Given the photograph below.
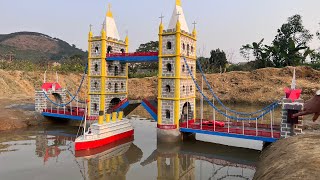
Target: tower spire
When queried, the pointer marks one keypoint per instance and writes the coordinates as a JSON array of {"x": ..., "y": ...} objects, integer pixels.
[
  {"x": 109, "y": 12},
  {"x": 178, "y": 2},
  {"x": 293, "y": 82}
]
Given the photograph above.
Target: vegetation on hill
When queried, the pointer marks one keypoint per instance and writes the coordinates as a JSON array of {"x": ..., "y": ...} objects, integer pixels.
[{"x": 36, "y": 47}]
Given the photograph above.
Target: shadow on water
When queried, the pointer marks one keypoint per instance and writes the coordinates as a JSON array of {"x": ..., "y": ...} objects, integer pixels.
[{"x": 49, "y": 153}]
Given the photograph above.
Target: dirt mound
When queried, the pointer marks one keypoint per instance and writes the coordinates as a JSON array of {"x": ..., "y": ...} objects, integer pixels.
[
  {"x": 256, "y": 87},
  {"x": 292, "y": 158}
]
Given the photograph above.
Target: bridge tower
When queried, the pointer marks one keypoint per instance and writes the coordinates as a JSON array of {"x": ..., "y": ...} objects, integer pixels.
[
  {"x": 107, "y": 80},
  {"x": 176, "y": 90}
]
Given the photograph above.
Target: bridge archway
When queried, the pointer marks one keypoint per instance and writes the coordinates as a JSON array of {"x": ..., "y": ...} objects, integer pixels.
[
  {"x": 57, "y": 98},
  {"x": 187, "y": 112},
  {"x": 114, "y": 102}
]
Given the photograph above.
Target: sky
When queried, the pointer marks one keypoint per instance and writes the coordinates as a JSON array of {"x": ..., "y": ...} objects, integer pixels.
[{"x": 224, "y": 24}]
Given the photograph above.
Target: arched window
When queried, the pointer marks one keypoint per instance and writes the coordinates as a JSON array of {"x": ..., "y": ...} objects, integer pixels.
[
  {"x": 168, "y": 89},
  {"x": 109, "y": 67},
  {"x": 95, "y": 106},
  {"x": 116, "y": 87},
  {"x": 122, "y": 86},
  {"x": 183, "y": 46},
  {"x": 109, "y": 86},
  {"x": 116, "y": 70},
  {"x": 192, "y": 69},
  {"x": 95, "y": 85},
  {"x": 123, "y": 66},
  {"x": 169, "y": 45},
  {"x": 183, "y": 88},
  {"x": 96, "y": 49},
  {"x": 188, "y": 49},
  {"x": 169, "y": 67},
  {"x": 96, "y": 67},
  {"x": 192, "y": 49},
  {"x": 167, "y": 114},
  {"x": 109, "y": 49},
  {"x": 122, "y": 51},
  {"x": 190, "y": 88},
  {"x": 183, "y": 68}
]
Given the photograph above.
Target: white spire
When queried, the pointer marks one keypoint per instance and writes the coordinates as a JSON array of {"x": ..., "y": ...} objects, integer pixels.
[
  {"x": 293, "y": 82},
  {"x": 178, "y": 13},
  {"x": 111, "y": 27}
]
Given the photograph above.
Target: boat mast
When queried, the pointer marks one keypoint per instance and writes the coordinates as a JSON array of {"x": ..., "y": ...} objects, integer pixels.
[{"x": 85, "y": 120}]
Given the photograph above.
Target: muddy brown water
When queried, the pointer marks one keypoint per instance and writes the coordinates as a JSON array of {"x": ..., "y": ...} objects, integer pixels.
[{"x": 47, "y": 152}]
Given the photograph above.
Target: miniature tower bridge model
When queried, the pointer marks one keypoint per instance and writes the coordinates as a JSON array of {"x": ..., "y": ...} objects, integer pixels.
[
  {"x": 176, "y": 91},
  {"x": 175, "y": 108}
]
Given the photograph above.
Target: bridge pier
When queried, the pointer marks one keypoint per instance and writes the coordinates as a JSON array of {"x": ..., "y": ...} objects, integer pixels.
[
  {"x": 291, "y": 126},
  {"x": 168, "y": 135}
]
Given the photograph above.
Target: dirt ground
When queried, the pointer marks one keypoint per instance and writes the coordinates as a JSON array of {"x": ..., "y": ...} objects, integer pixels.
[
  {"x": 12, "y": 116},
  {"x": 292, "y": 158}
]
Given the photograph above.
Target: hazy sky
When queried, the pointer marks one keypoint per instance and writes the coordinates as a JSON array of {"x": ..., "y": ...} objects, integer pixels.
[{"x": 224, "y": 24}]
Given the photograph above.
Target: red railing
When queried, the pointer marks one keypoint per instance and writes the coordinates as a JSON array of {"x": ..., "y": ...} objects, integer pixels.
[
  {"x": 119, "y": 105},
  {"x": 132, "y": 54},
  {"x": 74, "y": 112},
  {"x": 150, "y": 106}
]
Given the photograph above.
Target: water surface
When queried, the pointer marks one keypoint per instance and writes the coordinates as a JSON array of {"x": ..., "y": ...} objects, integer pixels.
[{"x": 47, "y": 152}]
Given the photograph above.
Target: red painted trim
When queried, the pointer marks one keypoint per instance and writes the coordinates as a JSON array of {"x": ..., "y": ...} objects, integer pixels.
[
  {"x": 133, "y": 54},
  {"x": 119, "y": 104},
  {"x": 73, "y": 113},
  {"x": 102, "y": 142},
  {"x": 166, "y": 126},
  {"x": 91, "y": 152},
  {"x": 150, "y": 106}
]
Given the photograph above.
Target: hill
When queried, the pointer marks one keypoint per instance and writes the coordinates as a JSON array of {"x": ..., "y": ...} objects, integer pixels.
[{"x": 36, "y": 47}]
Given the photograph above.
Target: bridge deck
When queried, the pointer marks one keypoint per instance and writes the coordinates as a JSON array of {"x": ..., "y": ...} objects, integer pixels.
[{"x": 263, "y": 132}]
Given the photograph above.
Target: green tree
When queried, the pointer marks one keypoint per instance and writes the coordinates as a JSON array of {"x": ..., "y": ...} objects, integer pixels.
[
  {"x": 216, "y": 62},
  {"x": 152, "y": 46},
  {"x": 289, "y": 48}
]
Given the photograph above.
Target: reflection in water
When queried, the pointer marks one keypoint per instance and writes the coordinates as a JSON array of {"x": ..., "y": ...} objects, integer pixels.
[
  {"x": 50, "y": 155},
  {"x": 189, "y": 161},
  {"x": 114, "y": 161}
]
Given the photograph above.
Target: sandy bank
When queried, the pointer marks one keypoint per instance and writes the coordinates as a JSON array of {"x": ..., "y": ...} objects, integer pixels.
[{"x": 292, "y": 158}]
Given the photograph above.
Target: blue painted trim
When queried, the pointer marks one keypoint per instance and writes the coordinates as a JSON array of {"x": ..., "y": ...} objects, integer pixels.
[
  {"x": 62, "y": 116},
  {"x": 154, "y": 115},
  {"x": 134, "y": 59},
  {"x": 258, "y": 138},
  {"x": 123, "y": 106}
]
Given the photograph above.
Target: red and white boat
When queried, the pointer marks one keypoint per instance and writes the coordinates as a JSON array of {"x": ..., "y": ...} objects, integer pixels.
[{"x": 99, "y": 135}]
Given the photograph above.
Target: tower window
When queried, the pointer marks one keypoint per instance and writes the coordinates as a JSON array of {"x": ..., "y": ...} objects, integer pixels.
[
  {"x": 191, "y": 68},
  {"x": 116, "y": 71},
  {"x": 96, "y": 49},
  {"x": 169, "y": 67},
  {"x": 190, "y": 88},
  {"x": 169, "y": 45},
  {"x": 122, "y": 51},
  {"x": 188, "y": 49},
  {"x": 183, "y": 68},
  {"x": 95, "y": 85},
  {"x": 167, "y": 114},
  {"x": 122, "y": 86},
  {"x": 183, "y": 46},
  {"x": 183, "y": 88},
  {"x": 168, "y": 89},
  {"x": 95, "y": 106},
  {"x": 109, "y": 67},
  {"x": 116, "y": 87},
  {"x": 109, "y": 49},
  {"x": 96, "y": 67},
  {"x": 109, "y": 86},
  {"x": 192, "y": 49}
]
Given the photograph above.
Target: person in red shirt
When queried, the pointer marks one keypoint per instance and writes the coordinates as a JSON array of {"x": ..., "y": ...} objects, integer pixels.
[{"x": 312, "y": 106}]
